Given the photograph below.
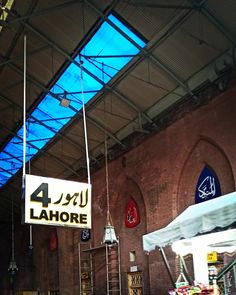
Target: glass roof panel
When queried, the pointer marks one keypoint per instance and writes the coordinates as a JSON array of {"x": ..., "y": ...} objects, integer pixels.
[{"x": 104, "y": 55}]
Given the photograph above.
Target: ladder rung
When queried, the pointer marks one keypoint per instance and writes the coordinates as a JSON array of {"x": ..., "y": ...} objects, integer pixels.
[
  {"x": 113, "y": 272},
  {"x": 112, "y": 281}
]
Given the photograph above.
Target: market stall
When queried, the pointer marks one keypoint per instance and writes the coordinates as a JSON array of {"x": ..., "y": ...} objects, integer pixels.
[{"x": 189, "y": 233}]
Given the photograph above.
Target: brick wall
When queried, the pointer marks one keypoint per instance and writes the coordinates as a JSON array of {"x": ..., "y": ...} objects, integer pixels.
[{"x": 160, "y": 174}]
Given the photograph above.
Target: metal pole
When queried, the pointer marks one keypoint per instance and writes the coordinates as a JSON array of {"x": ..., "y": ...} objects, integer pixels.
[
  {"x": 163, "y": 255},
  {"x": 185, "y": 269},
  {"x": 85, "y": 124},
  {"x": 24, "y": 111}
]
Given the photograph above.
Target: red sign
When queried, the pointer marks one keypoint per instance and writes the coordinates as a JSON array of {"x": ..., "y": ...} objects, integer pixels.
[
  {"x": 53, "y": 241},
  {"x": 132, "y": 216}
]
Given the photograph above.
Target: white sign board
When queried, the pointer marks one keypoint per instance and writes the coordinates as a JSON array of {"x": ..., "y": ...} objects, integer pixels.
[{"x": 52, "y": 201}]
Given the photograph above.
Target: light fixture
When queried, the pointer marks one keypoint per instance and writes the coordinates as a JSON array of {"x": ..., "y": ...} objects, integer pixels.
[
  {"x": 109, "y": 235},
  {"x": 12, "y": 267},
  {"x": 109, "y": 230},
  {"x": 65, "y": 102}
]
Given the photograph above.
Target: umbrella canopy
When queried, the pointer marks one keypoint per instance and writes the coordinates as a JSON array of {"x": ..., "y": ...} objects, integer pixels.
[{"x": 197, "y": 219}]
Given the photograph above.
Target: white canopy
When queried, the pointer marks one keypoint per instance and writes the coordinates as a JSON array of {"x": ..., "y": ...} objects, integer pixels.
[{"x": 196, "y": 219}]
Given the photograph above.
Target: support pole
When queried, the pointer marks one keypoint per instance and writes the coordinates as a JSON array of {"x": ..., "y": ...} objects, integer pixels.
[
  {"x": 185, "y": 269},
  {"x": 24, "y": 111},
  {"x": 163, "y": 255},
  {"x": 85, "y": 124},
  {"x": 25, "y": 136}
]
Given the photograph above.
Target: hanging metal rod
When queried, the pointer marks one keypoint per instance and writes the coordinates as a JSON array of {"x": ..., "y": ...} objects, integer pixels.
[
  {"x": 111, "y": 56},
  {"x": 75, "y": 92}
]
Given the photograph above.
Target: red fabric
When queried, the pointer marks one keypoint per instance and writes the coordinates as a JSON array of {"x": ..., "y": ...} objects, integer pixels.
[
  {"x": 132, "y": 216},
  {"x": 53, "y": 241}
]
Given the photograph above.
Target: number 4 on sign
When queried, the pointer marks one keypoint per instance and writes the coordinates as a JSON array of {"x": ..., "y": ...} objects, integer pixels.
[{"x": 41, "y": 195}]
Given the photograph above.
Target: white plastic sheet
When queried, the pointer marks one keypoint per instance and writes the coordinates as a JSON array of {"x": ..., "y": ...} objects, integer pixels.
[{"x": 196, "y": 219}]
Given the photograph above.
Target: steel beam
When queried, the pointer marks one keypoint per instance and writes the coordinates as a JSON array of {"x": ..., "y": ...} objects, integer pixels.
[
  {"x": 71, "y": 59},
  {"x": 38, "y": 84},
  {"x": 206, "y": 11},
  {"x": 42, "y": 151},
  {"x": 156, "y": 5},
  {"x": 43, "y": 11},
  {"x": 155, "y": 60},
  {"x": 8, "y": 61},
  {"x": 60, "y": 134}
]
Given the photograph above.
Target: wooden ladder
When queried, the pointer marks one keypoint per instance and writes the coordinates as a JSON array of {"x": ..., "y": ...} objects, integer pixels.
[{"x": 113, "y": 269}]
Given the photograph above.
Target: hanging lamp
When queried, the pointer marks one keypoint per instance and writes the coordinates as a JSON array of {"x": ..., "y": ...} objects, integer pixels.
[
  {"x": 109, "y": 230},
  {"x": 12, "y": 267}
]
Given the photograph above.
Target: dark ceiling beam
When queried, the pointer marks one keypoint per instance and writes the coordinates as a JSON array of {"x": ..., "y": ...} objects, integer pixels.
[
  {"x": 153, "y": 58},
  {"x": 156, "y": 5},
  {"x": 44, "y": 152},
  {"x": 206, "y": 11},
  {"x": 98, "y": 125},
  {"x": 7, "y": 61},
  {"x": 7, "y": 171},
  {"x": 43, "y": 11},
  {"x": 171, "y": 27},
  {"x": 94, "y": 122},
  {"x": 17, "y": 35},
  {"x": 70, "y": 58},
  {"x": 59, "y": 133},
  {"x": 11, "y": 156},
  {"x": 42, "y": 87}
]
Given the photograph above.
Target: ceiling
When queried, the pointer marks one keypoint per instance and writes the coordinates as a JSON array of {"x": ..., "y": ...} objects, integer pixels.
[{"x": 191, "y": 45}]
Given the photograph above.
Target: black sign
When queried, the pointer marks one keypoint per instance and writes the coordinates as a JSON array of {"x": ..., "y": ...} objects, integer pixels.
[
  {"x": 208, "y": 186},
  {"x": 85, "y": 235}
]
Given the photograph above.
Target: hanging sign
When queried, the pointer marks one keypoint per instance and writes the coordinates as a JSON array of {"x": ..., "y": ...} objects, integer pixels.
[
  {"x": 53, "y": 241},
  {"x": 52, "y": 201},
  {"x": 208, "y": 186},
  {"x": 132, "y": 216},
  {"x": 212, "y": 257}
]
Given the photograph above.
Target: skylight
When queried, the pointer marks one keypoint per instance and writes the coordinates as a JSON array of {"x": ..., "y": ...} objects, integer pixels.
[{"x": 105, "y": 54}]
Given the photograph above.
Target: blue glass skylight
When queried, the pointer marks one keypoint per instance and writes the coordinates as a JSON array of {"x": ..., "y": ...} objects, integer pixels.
[{"x": 105, "y": 54}]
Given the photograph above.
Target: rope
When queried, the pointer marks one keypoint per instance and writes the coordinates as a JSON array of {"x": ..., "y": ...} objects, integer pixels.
[
  {"x": 106, "y": 160},
  {"x": 107, "y": 182}
]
